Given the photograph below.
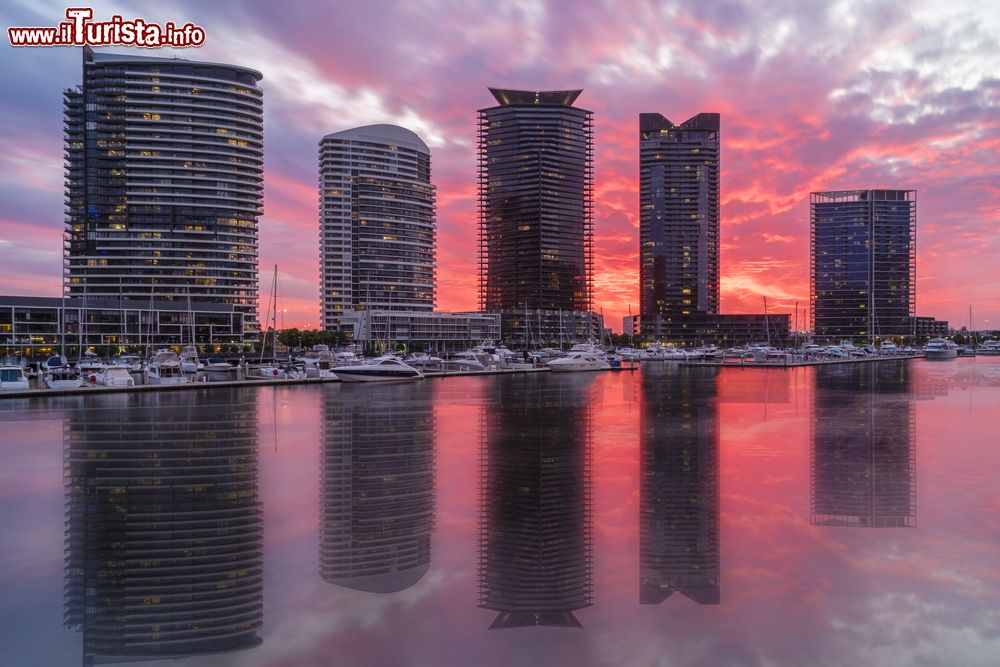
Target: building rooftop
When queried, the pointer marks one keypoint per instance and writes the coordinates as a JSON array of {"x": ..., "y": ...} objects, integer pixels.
[
  {"x": 89, "y": 55},
  {"x": 392, "y": 135},
  {"x": 508, "y": 97}
]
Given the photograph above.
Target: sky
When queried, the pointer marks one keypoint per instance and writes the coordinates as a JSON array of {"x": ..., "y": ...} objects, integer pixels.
[{"x": 813, "y": 96}]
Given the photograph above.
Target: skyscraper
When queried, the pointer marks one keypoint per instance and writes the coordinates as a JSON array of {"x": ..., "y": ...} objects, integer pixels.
[
  {"x": 863, "y": 263},
  {"x": 376, "y": 223},
  {"x": 679, "y": 238},
  {"x": 536, "y": 213},
  {"x": 678, "y": 216},
  {"x": 164, "y": 181}
]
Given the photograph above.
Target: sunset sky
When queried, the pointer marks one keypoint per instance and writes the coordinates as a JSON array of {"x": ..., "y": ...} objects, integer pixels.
[{"x": 813, "y": 96}]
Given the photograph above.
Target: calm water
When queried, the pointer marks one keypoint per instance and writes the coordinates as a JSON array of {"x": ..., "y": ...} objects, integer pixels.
[{"x": 844, "y": 515}]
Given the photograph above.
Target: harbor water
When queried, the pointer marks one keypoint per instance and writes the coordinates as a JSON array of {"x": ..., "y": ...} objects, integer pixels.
[{"x": 676, "y": 515}]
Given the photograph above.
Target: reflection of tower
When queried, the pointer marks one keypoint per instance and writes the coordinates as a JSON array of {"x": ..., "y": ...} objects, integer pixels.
[
  {"x": 863, "y": 446},
  {"x": 377, "y": 495},
  {"x": 165, "y": 539},
  {"x": 535, "y": 533},
  {"x": 679, "y": 491}
]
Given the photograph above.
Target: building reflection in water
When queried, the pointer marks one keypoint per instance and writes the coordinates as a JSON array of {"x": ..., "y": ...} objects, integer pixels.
[
  {"x": 535, "y": 550},
  {"x": 164, "y": 554},
  {"x": 679, "y": 486},
  {"x": 863, "y": 459},
  {"x": 377, "y": 485}
]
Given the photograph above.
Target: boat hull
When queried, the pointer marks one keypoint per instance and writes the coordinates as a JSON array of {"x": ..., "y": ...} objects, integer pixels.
[
  {"x": 578, "y": 368},
  {"x": 374, "y": 375}
]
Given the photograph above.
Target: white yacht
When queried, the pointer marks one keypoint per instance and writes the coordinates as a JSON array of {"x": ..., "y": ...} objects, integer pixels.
[
  {"x": 318, "y": 362},
  {"x": 940, "y": 349},
  {"x": 189, "y": 359},
  {"x": 115, "y": 376},
  {"x": 630, "y": 354},
  {"x": 60, "y": 375},
  {"x": 709, "y": 352},
  {"x": 464, "y": 361},
  {"x": 128, "y": 361},
  {"x": 12, "y": 378},
  {"x": 989, "y": 347},
  {"x": 381, "y": 369},
  {"x": 219, "y": 366},
  {"x": 165, "y": 368},
  {"x": 90, "y": 363},
  {"x": 888, "y": 348},
  {"x": 579, "y": 361},
  {"x": 424, "y": 361},
  {"x": 270, "y": 372}
]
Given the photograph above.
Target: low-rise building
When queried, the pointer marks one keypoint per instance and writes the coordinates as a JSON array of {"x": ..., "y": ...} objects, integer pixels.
[{"x": 438, "y": 331}]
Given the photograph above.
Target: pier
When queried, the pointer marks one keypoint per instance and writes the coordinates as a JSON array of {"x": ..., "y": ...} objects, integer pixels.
[{"x": 795, "y": 362}]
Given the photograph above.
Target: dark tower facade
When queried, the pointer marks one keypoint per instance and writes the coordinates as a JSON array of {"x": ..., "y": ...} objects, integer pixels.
[
  {"x": 164, "y": 544},
  {"x": 164, "y": 181},
  {"x": 679, "y": 486},
  {"x": 863, "y": 446},
  {"x": 863, "y": 247},
  {"x": 377, "y": 486},
  {"x": 535, "y": 558},
  {"x": 535, "y": 209},
  {"x": 678, "y": 220}
]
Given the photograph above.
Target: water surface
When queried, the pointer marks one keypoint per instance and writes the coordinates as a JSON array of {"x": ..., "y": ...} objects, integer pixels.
[{"x": 841, "y": 515}]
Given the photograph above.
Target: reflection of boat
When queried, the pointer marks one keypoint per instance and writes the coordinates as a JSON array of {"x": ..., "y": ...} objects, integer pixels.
[
  {"x": 60, "y": 375},
  {"x": 165, "y": 368},
  {"x": 381, "y": 369},
  {"x": 189, "y": 359},
  {"x": 940, "y": 349},
  {"x": 12, "y": 378},
  {"x": 579, "y": 361}
]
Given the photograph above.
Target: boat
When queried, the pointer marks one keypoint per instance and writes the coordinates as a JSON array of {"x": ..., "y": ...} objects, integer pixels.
[
  {"x": 271, "y": 372},
  {"x": 12, "y": 378},
  {"x": 318, "y": 362},
  {"x": 464, "y": 361},
  {"x": 709, "y": 352},
  {"x": 128, "y": 361},
  {"x": 989, "y": 347},
  {"x": 115, "y": 376},
  {"x": 165, "y": 368},
  {"x": 579, "y": 361},
  {"x": 888, "y": 348},
  {"x": 219, "y": 366},
  {"x": 90, "y": 364},
  {"x": 59, "y": 374},
  {"x": 940, "y": 349},
  {"x": 424, "y": 361},
  {"x": 381, "y": 369},
  {"x": 630, "y": 353},
  {"x": 189, "y": 359},
  {"x": 967, "y": 351}
]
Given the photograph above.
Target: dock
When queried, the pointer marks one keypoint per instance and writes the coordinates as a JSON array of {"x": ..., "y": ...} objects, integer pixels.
[{"x": 92, "y": 390}]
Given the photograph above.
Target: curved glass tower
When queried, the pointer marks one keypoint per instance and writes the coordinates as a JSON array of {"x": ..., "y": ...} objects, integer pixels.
[
  {"x": 376, "y": 222},
  {"x": 164, "y": 181}
]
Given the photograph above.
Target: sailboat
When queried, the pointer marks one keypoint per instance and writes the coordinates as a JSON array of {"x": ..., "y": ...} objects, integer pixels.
[
  {"x": 272, "y": 370},
  {"x": 58, "y": 373}
]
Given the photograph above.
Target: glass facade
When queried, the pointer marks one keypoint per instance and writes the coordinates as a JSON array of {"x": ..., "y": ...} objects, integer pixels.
[
  {"x": 678, "y": 220},
  {"x": 535, "y": 203},
  {"x": 377, "y": 229},
  {"x": 164, "y": 181},
  {"x": 863, "y": 268}
]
